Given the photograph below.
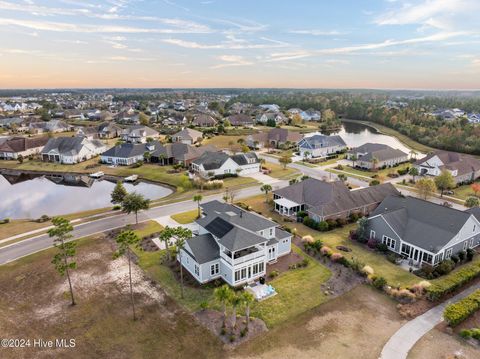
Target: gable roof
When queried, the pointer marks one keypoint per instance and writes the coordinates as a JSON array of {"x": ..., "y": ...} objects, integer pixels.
[
  {"x": 20, "y": 144},
  {"x": 189, "y": 133},
  {"x": 69, "y": 145},
  {"x": 212, "y": 160},
  {"x": 453, "y": 161},
  {"x": 320, "y": 141},
  {"x": 127, "y": 150},
  {"x": 204, "y": 119},
  {"x": 182, "y": 151},
  {"x": 379, "y": 151},
  {"x": 475, "y": 211},
  {"x": 240, "y": 119},
  {"x": 204, "y": 248},
  {"x": 425, "y": 224},
  {"x": 327, "y": 198}
]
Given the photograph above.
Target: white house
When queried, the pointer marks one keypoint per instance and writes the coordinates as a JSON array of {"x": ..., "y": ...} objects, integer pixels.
[
  {"x": 126, "y": 154},
  {"x": 70, "y": 150},
  {"x": 188, "y": 136},
  {"x": 233, "y": 244},
  {"x": 318, "y": 146},
  {"x": 217, "y": 164},
  {"x": 138, "y": 134}
]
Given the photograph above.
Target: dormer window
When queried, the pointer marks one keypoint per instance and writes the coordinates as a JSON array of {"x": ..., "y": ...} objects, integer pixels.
[{"x": 271, "y": 232}]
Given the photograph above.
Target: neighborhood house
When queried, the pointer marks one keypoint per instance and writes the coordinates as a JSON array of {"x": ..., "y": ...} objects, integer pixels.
[
  {"x": 70, "y": 150},
  {"x": 323, "y": 200},
  {"x": 233, "y": 244},
  {"x": 127, "y": 154},
  {"x": 318, "y": 146},
  {"x": 376, "y": 155},
  {"x": 220, "y": 164},
  {"x": 422, "y": 231},
  {"x": 16, "y": 147},
  {"x": 188, "y": 136}
]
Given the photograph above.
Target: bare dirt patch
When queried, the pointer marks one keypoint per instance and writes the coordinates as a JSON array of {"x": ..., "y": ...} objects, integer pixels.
[
  {"x": 213, "y": 320},
  {"x": 355, "y": 325},
  {"x": 35, "y": 304}
]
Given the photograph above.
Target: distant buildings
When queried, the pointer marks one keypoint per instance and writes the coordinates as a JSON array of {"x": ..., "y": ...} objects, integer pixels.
[{"x": 138, "y": 134}]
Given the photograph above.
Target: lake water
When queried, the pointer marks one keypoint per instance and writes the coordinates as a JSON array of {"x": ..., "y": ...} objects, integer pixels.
[
  {"x": 357, "y": 134},
  {"x": 27, "y": 196}
]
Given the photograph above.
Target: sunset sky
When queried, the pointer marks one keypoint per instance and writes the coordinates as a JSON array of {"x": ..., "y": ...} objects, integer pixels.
[{"x": 425, "y": 44}]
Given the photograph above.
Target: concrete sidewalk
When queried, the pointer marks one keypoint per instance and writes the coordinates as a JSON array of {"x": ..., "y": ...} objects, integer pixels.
[{"x": 400, "y": 344}]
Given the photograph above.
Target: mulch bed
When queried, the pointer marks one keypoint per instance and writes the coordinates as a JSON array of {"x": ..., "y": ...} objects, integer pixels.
[
  {"x": 342, "y": 280},
  {"x": 212, "y": 320},
  {"x": 284, "y": 262}
]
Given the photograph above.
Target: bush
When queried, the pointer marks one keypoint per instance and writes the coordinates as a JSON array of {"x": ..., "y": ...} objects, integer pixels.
[
  {"x": 470, "y": 254},
  {"x": 457, "y": 312},
  {"x": 310, "y": 222},
  {"x": 274, "y": 274},
  {"x": 402, "y": 295},
  {"x": 392, "y": 258},
  {"x": 353, "y": 217},
  {"x": 326, "y": 251},
  {"x": 381, "y": 247},
  {"x": 449, "y": 284},
  {"x": 116, "y": 207},
  {"x": 466, "y": 333},
  {"x": 302, "y": 214},
  {"x": 341, "y": 222},
  {"x": 379, "y": 282},
  {"x": 307, "y": 239},
  {"x": 331, "y": 223},
  {"x": 462, "y": 255},
  {"x": 336, "y": 257},
  {"x": 5, "y": 221},
  {"x": 374, "y": 182},
  {"x": 323, "y": 226},
  {"x": 455, "y": 258},
  {"x": 445, "y": 267},
  {"x": 372, "y": 243},
  {"x": 367, "y": 270}
]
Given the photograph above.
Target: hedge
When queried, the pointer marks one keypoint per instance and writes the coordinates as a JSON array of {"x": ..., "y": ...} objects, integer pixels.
[
  {"x": 457, "y": 312},
  {"x": 453, "y": 281}
]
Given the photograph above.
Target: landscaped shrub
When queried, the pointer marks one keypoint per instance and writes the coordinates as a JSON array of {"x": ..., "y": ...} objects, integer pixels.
[
  {"x": 445, "y": 267},
  {"x": 353, "y": 217},
  {"x": 455, "y": 258},
  {"x": 457, "y": 312},
  {"x": 274, "y": 274},
  {"x": 336, "y": 257},
  {"x": 326, "y": 251},
  {"x": 116, "y": 207},
  {"x": 470, "y": 254},
  {"x": 421, "y": 287},
  {"x": 307, "y": 239},
  {"x": 341, "y": 222},
  {"x": 453, "y": 281},
  {"x": 331, "y": 224},
  {"x": 323, "y": 226},
  {"x": 462, "y": 255},
  {"x": 392, "y": 258},
  {"x": 402, "y": 295},
  {"x": 302, "y": 214},
  {"x": 381, "y": 247},
  {"x": 379, "y": 282},
  {"x": 5, "y": 221},
  {"x": 374, "y": 182},
  {"x": 372, "y": 243},
  {"x": 310, "y": 222},
  {"x": 367, "y": 270}
]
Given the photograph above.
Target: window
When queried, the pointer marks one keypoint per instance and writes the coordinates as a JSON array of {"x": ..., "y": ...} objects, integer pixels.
[
  {"x": 427, "y": 257},
  {"x": 214, "y": 269},
  {"x": 390, "y": 242},
  {"x": 372, "y": 234},
  {"x": 271, "y": 232},
  {"x": 197, "y": 270},
  {"x": 465, "y": 244},
  {"x": 243, "y": 273},
  {"x": 261, "y": 233},
  {"x": 237, "y": 275},
  {"x": 448, "y": 253},
  {"x": 474, "y": 227},
  {"x": 406, "y": 249},
  {"x": 470, "y": 244},
  {"x": 260, "y": 267}
]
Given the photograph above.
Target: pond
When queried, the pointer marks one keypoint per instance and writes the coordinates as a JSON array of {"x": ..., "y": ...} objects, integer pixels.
[
  {"x": 31, "y": 196},
  {"x": 357, "y": 134}
]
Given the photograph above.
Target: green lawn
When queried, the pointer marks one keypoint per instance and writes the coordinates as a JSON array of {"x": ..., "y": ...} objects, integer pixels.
[
  {"x": 463, "y": 192},
  {"x": 394, "y": 275},
  {"x": 278, "y": 171},
  {"x": 186, "y": 217},
  {"x": 298, "y": 291},
  {"x": 223, "y": 141},
  {"x": 381, "y": 172},
  {"x": 349, "y": 174}
]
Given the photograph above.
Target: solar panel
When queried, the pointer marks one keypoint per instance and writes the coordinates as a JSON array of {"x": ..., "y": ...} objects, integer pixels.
[{"x": 219, "y": 227}]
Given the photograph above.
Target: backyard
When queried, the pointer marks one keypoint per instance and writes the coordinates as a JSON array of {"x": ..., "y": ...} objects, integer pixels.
[
  {"x": 394, "y": 275},
  {"x": 279, "y": 172}
]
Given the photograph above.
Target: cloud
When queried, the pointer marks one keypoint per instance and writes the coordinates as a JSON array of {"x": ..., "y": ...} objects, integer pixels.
[
  {"x": 232, "y": 60},
  {"x": 287, "y": 56},
  {"x": 388, "y": 43},
  {"x": 81, "y": 28},
  {"x": 235, "y": 44},
  {"x": 317, "y": 32}
]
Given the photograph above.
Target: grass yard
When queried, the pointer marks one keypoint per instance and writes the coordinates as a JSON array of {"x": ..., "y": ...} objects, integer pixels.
[
  {"x": 186, "y": 217},
  {"x": 278, "y": 171},
  {"x": 298, "y": 291},
  {"x": 222, "y": 141},
  {"x": 349, "y": 174},
  {"x": 239, "y": 181},
  {"x": 463, "y": 192},
  {"x": 394, "y": 275}
]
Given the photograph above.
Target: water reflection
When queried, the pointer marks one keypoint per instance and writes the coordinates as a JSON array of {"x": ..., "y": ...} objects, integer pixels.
[
  {"x": 357, "y": 134},
  {"x": 30, "y": 196}
]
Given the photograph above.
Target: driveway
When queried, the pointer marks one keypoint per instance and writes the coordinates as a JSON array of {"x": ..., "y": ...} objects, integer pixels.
[{"x": 405, "y": 338}]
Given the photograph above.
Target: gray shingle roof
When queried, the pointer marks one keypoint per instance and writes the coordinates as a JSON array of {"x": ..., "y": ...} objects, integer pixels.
[
  {"x": 204, "y": 247},
  {"x": 320, "y": 141},
  {"x": 475, "y": 211},
  {"x": 212, "y": 161},
  {"x": 127, "y": 150},
  {"x": 425, "y": 224},
  {"x": 69, "y": 145}
]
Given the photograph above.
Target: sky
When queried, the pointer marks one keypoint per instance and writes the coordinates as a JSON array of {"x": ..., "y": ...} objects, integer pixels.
[{"x": 408, "y": 44}]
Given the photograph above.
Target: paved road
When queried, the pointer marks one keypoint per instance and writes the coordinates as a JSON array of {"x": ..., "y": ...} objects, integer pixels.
[
  {"x": 400, "y": 344},
  {"x": 28, "y": 246}
]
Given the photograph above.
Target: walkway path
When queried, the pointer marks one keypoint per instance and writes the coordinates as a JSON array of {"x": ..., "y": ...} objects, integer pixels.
[{"x": 400, "y": 344}]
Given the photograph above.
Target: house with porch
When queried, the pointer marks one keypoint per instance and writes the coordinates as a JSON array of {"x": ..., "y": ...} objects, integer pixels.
[
  {"x": 386, "y": 156},
  {"x": 329, "y": 200},
  {"x": 70, "y": 150},
  {"x": 179, "y": 153},
  {"x": 126, "y": 154},
  {"x": 464, "y": 168},
  {"x": 220, "y": 164},
  {"x": 319, "y": 146},
  {"x": 275, "y": 138},
  {"x": 423, "y": 232},
  {"x": 188, "y": 136},
  {"x": 16, "y": 147},
  {"x": 139, "y": 134},
  {"x": 233, "y": 245}
]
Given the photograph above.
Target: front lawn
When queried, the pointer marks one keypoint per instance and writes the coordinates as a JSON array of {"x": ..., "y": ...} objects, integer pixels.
[
  {"x": 463, "y": 192},
  {"x": 278, "y": 171},
  {"x": 186, "y": 217}
]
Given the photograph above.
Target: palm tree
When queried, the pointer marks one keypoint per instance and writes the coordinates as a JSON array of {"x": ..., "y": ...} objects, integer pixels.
[
  {"x": 197, "y": 198},
  {"x": 182, "y": 235},
  {"x": 247, "y": 299},
  {"x": 235, "y": 301},
  {"x": 374, "y": 163},
  {"x": 266, "y": 188},
  {"x": 353, "y": 158},
  {"x": 223, "y": 295},
  {"x": 165, "y": 236},
  {"x": 305, "y": 155}
]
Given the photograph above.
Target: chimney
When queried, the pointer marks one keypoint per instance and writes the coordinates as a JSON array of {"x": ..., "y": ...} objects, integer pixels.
[{"x": 241, "y": 214}]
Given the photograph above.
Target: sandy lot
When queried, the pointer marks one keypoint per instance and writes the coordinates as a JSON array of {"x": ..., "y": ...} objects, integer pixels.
[
  {"x": 355, "y": 325},
  {"x": 35, "y": 304}
]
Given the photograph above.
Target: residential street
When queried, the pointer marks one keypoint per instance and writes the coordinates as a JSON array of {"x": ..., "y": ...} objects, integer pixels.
[{"x": 31, "y": 245}]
